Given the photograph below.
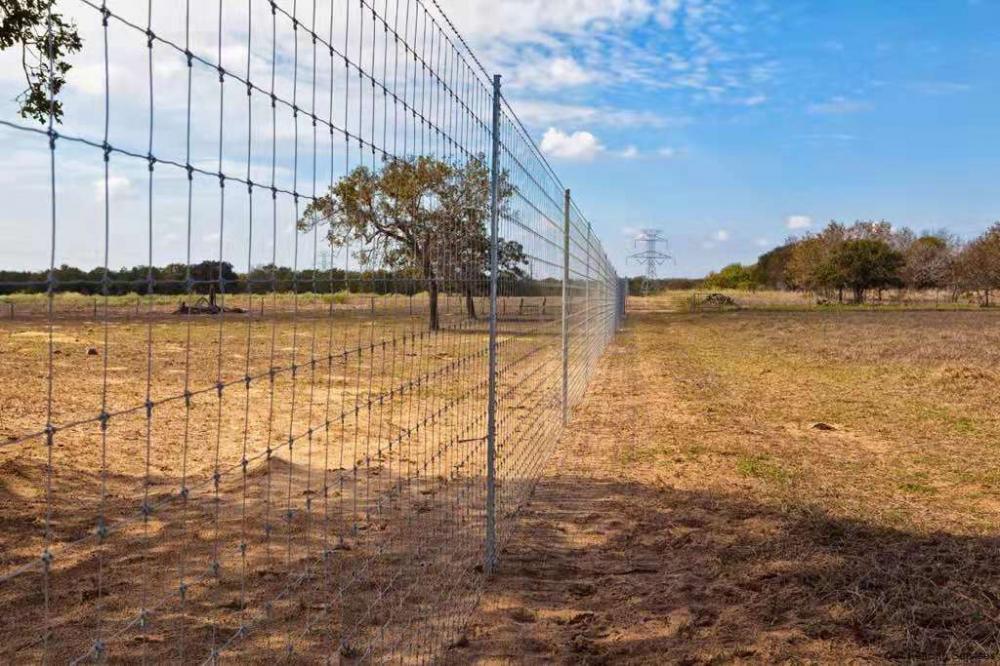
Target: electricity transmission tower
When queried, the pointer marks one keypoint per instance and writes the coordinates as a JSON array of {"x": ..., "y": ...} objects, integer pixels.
[{"x": 648, "y": 242}]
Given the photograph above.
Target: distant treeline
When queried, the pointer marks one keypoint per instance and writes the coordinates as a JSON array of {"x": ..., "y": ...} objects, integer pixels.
[
  {"x": 635, "y": 284},
  {"x": 853, "y": 261},
  {"x": 206, "y": 277}
]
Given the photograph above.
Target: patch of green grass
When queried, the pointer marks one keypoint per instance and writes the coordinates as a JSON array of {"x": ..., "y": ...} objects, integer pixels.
[
  {"x": 937, "y": 417},
  {"x": 964, "y": 425},
  {"x": 917, "y": 484},
  {"x": 340, "y": 298},
  {"x": 763, "y": 468},
  {"x": 917, "y": 488}
]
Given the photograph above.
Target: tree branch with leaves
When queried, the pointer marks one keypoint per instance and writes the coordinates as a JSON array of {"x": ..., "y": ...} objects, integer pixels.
[
  {"x": 424, "y": 217},
  {"x": 46, "y": 39}
]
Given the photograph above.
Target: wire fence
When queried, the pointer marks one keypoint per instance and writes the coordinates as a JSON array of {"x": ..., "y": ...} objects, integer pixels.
[{"x": 365, "y": 308}]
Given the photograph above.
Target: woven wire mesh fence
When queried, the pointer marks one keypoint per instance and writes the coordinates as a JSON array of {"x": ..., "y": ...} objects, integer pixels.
[{"x": 362, "y": 310}]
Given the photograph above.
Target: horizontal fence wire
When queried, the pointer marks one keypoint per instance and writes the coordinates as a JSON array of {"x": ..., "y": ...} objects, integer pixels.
[{"x": 291, "y": 433}]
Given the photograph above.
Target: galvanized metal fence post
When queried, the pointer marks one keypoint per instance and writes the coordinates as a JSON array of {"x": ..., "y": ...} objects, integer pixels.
[
  {"x": 491, "y": 417},
  {"x": 588, "y": 326},
  {"x": 565, "y": 312},
  {"x": 620, "y": 285}
]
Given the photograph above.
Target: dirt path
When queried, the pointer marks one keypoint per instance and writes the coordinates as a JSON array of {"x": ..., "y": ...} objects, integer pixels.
[{"x": 683, "y": 556}]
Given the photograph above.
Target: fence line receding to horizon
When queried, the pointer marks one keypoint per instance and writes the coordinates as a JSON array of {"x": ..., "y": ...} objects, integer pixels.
[{"x": 362, "y": 309}]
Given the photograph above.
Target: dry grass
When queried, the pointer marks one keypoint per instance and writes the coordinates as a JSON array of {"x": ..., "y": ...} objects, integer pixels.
[
  {"x": 911, "y": 397},
  {"x": 375, "y": 452},
  {"x": 807, "y": 486},
  {"x": 693, "y": 301},
  {"x": 796, "y": 487}
]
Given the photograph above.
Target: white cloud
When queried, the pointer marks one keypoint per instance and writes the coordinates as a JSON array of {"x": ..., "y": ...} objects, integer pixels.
[
  {"x": 541, "y": 112},
  {"x": 542, "y": 73},
  {"x": 762, "y": 242},
  {"x": 578, "y": 146},
  {"x": 836, "y": 106},
  {"x": 667, "y": 152},
  {"x": 695, "y": 45},
  {"x": 721, "y": 236},
  {"x": 629, "y": 153},
  {"x": 537, "y": 20},
  {"x": 939, "y": 88},
  {"x": 798, "y": 222},
  {"x": 666, "y": 13},
  {"x": 118, "y": 187},
  {"x": 841, "y": 137}
]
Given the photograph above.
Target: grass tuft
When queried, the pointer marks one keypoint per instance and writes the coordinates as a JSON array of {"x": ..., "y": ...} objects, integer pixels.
[{"x": 763, "y": 468}]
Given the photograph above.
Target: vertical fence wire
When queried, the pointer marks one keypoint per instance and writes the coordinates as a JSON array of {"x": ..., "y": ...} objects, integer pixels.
[{"x": 363, "y": 309}]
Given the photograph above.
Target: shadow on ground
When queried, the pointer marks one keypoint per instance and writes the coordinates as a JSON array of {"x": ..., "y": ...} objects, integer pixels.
[{"x": 613, "y": 572}]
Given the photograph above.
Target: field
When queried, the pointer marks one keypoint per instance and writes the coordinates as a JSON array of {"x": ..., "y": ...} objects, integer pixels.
[
  {"x": 304, "y": 478},
  {"x": 774, "y": 483},
  {"x": 797, "y": 486}
]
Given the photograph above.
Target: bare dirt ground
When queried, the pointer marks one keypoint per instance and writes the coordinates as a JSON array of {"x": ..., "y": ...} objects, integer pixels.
[{"x": 764, "y": 487}]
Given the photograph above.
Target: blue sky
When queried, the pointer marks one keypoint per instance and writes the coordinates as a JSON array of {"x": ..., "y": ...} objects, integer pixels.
[
  {"x": 728, "y": 124},
  {"x": 731, "y": 125}
]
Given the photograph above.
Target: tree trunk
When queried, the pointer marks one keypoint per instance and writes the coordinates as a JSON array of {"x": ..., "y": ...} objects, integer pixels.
[
  {"x": 432, "y": 289},
  {"x": 470, "y": 301},
  {"x": 859, "y": 295},
  {"x": 840, "y": 295}
]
